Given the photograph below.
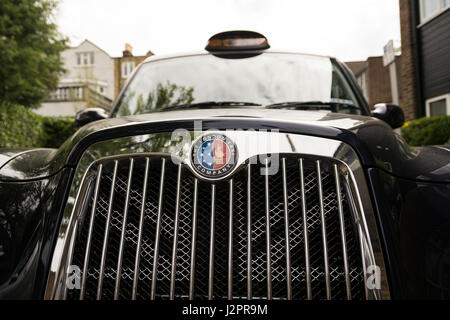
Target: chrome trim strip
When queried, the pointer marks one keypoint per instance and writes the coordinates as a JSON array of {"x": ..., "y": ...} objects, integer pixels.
[
  {"x": 249, "y": 232},
  {"x": 194, "y": 241},
  {"x": 230, "y": 244},
  {"x": 286, "y": 231},
  {"x": 442, "y": 148},
  {"x": 342, "y": 227},
  {"x": 83, "y": 194},
  {"x": 211, "y": 243},
  {"x": 354, "y": 209},
  {"x": 91, "y": 228},
  {"x": 158, "y": 229},
  {"x": 324, "y": 230},
  {"x": 105, "y": 238},
  {"x": 361, "y": 243},
  {"x": 175, "y": 236},
  {"x": 305, "y": 231},
  {"x": 141, "y": 227},
  {"x": 71, "y": 248},
  {"x": 124, "y": 227},
  {"x": 268, "y": 239}
]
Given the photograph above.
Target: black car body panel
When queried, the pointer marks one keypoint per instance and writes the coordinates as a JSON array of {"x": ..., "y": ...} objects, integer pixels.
[
  {"x": 410, "y": 191},
  {"x": 29, "y": 216},
  {"x": 409, "y": 188},
  {"x": 374, "y": 140},
  {"x": 414, "y": 221}
]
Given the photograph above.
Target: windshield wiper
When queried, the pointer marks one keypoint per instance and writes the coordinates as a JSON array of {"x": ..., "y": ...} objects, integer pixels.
[
  {"x": 209, "y": 104},
  {"x": 307, "y": 105}
]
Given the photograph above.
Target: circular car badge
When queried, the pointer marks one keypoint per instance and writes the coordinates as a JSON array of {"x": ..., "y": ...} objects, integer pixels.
[{"x": 214, "y": 156}]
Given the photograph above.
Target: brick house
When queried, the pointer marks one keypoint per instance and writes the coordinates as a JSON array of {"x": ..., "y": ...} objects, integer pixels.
[
  {"x": 124, "y": 66},
  {"x": 374, "y": 79},
  {"x": 424, "y": 78},
  {"x": 423, "y": 69}
]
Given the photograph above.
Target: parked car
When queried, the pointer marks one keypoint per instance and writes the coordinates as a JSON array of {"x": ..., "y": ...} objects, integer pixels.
[{"x": 237, "y": 172}]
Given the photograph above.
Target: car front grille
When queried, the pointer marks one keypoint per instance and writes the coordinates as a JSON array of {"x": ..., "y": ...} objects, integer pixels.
[{"x": 149, "y": 229}]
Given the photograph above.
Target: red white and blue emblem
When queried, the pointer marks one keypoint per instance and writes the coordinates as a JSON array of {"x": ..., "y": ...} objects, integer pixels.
[{"x": 214, "y": 155}]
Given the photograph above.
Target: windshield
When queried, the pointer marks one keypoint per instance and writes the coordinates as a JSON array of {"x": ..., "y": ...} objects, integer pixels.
[{"x": 254, "y": 82}]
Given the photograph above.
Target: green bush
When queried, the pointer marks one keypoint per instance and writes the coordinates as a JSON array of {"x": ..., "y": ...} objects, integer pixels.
[
  {"x": 57, "y": 130},
  {"x": 19, "y": 127},
  {"x": 427, "y": 131},
  {"x": 22, "y": 128}
]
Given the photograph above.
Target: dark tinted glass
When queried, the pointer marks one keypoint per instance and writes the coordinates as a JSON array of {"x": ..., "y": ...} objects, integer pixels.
[{"x": 264, "y": 79}]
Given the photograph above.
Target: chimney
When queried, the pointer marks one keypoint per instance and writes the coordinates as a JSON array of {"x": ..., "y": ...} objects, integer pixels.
[{"x": 128, "y": 52}]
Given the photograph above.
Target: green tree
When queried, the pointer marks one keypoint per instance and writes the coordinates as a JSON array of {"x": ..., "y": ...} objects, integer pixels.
[
  {"x": 30, "y": 46},
  {"x": 164, "y": 96}
]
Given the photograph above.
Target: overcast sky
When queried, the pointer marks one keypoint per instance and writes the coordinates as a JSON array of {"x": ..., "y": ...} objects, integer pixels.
[{"x": 347, "y": 29}]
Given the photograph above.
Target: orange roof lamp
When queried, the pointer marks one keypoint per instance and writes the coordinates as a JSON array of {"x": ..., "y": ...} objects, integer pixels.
[{"x": 237, "y": 41}]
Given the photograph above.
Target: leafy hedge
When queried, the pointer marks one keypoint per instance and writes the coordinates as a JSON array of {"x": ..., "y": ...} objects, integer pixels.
[
  {"x": 427, "y": 131},
  {"x": 22, "y": 128},
  {"x": 57, "y": 130}
]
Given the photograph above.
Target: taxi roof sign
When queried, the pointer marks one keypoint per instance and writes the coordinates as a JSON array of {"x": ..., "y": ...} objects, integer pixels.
[{"x": 237, "y": 41}]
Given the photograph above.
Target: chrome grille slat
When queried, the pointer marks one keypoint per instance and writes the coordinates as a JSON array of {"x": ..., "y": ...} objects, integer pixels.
[
  {"x": 268, "y": 235},
  {"x": 105, "y": 239},
  {"x": 211, "y": 243},
  {"x": 158, "y": 230},
  {"x": 175, "y": 236},
  {"x": 286, "y": 231},
  {"x": 141, "y": 227},
  {"x": 305, "y": 231},
  {"x": 91, "y": 228},
  {"x": 324, "y": 230},
  {"x": 124, "y": 226},
  {"x": 249, "y": 232},
  {"x": 230, "y": 244},
  {"x": 194, "y": 242},
  {"x": 193, "y": 239}
]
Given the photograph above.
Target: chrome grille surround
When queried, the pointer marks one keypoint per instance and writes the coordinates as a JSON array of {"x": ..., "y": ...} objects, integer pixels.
[{"x": 345, "y": 166}]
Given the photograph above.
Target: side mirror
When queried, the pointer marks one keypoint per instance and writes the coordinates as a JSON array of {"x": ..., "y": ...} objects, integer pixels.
[
  {"x": 389, "y": 113},
  {"x": 89, "y": 115}
]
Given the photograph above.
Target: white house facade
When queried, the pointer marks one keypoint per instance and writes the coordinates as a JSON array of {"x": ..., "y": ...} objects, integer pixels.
[{"x": 88, "y": 82}]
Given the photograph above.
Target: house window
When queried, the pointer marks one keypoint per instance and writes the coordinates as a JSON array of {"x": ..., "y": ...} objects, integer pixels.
[
  {"x": 85, "y": 58},
  {"x": 79, "y": 93},
  {"x": 127, "y": 68},
  {"x": 438, "y": 106},
  {"x": 63, "y": 94},
  {"x": 362, "y": 81},
  {"x": 431, "y": 8}
]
